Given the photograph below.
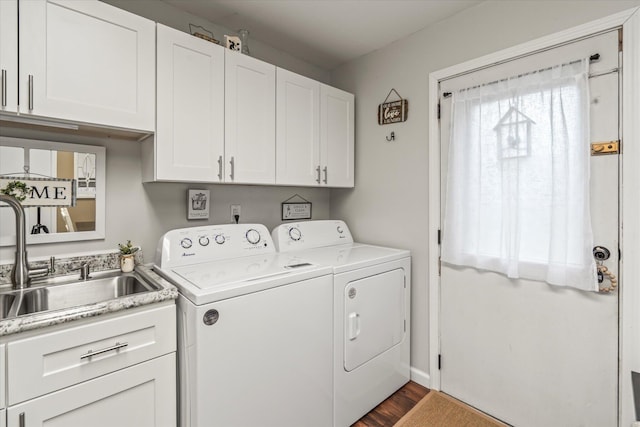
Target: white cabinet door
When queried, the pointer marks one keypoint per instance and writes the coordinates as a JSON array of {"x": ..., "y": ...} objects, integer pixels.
[
  {"x": 189, "y": 140},
  {"x": 337, "y": 137},
  {"x": 250, "y": 93},
  {"x": 87, "y": 61},
  {"x": 297, "y": 129},
  {"x": 141, "y": 396},
  {"x": 9, "y": 55}
]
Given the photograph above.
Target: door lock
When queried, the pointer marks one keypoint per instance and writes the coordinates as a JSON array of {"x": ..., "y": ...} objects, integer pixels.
[{"x": 600, "y": 253}]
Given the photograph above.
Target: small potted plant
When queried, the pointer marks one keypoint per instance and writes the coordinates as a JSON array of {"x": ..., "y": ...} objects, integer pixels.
[{"x": 127, "y": 254}]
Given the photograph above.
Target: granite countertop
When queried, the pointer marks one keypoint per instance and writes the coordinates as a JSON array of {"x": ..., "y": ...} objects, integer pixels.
[{"x": 55, "y": 317}]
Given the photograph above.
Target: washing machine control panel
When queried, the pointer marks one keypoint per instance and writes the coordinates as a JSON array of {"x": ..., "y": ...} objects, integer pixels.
[
  {"x": 193, "y": 245},
  {"x": 310, "y": 234}
]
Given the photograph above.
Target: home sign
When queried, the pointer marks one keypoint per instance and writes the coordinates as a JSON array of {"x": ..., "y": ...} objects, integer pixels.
[
  {"x": 45, "y": 191},
  {"x": 393, "y": 111}
]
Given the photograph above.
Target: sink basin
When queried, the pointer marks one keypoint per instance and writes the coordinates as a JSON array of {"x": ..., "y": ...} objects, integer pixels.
[
  {"x": 6, "y": 301},
  {"x": 58, "y": 296}
]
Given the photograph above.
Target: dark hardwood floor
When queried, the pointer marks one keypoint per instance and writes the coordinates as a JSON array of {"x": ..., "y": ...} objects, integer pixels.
[{"x": 391, "y": 410}]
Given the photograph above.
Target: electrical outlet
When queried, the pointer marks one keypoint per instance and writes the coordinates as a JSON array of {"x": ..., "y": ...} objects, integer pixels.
[{"x": 235, "y": 210}]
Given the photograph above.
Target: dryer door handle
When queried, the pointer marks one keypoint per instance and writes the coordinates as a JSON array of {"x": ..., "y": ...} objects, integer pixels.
[{"x": 354, "y": 326}]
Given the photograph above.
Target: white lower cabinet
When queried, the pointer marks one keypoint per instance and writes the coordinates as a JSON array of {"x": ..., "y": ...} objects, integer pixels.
[
  {"x": 140, "y": 396},
  {"x": 112, "y": 370}
]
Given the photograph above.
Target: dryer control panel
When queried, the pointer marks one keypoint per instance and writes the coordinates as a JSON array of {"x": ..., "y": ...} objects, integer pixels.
[
  {"x": 192, "y": 245},
  {"x": 310, "y": 234}
]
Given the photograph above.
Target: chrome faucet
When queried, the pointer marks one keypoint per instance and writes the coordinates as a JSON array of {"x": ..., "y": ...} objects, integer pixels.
[{"x": 21, "y": 273}]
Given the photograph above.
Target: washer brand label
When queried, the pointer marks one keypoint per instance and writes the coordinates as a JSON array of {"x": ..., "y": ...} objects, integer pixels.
[{"x": 188, "y": 253}]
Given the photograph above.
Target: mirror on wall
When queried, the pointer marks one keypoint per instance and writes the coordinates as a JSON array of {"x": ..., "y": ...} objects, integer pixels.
[{"x": 83, "y": 163}]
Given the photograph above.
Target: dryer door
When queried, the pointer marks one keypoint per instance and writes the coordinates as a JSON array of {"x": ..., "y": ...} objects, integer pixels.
[{"x": 374, "y": 316}]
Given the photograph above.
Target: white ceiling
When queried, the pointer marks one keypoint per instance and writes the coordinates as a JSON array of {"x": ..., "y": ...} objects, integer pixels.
[{"x": 326, "y": 33}]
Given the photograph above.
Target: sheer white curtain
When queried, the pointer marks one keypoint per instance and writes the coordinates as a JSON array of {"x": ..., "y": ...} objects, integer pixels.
[{"x": 517, "y": 194}]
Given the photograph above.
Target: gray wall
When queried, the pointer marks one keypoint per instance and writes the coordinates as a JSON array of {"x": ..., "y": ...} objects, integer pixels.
[{"x": 389, "y": 204}]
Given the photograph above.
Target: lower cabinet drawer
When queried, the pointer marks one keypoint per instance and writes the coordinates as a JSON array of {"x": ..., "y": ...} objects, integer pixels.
[
  {"x": 143, "y": 395},
  {"x": 44, "y": 363}
]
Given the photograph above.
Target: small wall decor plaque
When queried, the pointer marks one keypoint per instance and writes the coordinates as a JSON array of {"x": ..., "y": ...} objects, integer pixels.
[
  {"x": 393, "y": 111},
  {"x": 293, "y": 210},
  {"x": 233, "y": 43},
  {"x": 198, "y": 204}
]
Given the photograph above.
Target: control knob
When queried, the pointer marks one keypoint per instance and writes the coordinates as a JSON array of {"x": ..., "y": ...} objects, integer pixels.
[
  {"x": 204, "y": 241},
  {"x": 186, "y": 243},
  {"x": 295, "y": 233},
  {"x": 340, "y": 230},
  {"x": 220, "y": 239},
  {"x": 253, "y": 236}
]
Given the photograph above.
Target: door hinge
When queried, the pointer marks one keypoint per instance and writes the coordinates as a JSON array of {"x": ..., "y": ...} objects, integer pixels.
[
  {"x": 405, "y": 325},
  {"x": 619, "y": 255},
  {"x": 439, "y": 266},
  {"x": 439, "y": 236},
  {"x": 439, "y": 362},
  {"x": 438, "y": 111}
]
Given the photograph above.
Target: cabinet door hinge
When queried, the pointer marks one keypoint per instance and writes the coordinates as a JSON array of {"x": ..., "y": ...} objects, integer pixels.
[
  {"x": 620, "y": 40},
  {"x": 439, "y": 236},
  {"x": 439, "y": 266},
  {"x": 438, "y": 111},
  {"x": 439, "y": 362}
]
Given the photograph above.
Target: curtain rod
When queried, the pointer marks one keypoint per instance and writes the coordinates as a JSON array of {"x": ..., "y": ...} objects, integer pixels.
[{"x": 592, "y": 58}]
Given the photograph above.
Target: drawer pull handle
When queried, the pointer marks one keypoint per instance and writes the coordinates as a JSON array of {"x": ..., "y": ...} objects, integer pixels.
[{"x": 91, "y": 353}]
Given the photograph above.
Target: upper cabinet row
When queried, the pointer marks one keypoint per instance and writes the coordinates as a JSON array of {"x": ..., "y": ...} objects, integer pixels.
[
  {"x": 79, "y": 61},
  {"x": 217, "y": 116},
  {"x": 224, "y": 117}
]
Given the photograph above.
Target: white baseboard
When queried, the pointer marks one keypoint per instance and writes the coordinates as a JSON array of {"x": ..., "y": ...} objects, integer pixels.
[{"x": 420, "y": 377}]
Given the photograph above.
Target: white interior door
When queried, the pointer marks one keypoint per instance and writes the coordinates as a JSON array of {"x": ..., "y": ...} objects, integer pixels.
[{"x": 529, "y": 353}]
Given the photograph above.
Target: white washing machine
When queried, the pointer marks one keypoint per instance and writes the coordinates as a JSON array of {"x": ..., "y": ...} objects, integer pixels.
[
  {"x": 371, "y": 312},
  {"x": 254, "y": 328}
]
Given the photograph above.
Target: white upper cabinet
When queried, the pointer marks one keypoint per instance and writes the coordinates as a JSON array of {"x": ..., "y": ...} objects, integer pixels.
[
  {"x": 189, "y": 139},
  {"x": 9, "y": 55},
  {"x": 315, "y": 133},
  {"x": 250, "y": 104},
  {"x": 297, "y": 129},
  {"x": 337, "y": 137},
  {"x": 87, "y": 61}
]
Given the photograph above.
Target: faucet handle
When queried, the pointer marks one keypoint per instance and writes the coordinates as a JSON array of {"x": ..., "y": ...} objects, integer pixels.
[{"x": 84, "y": 271}]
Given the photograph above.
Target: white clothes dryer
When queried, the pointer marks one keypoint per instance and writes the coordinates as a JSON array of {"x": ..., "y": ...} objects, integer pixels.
[
  {"x": 254, "y": 329},
  {"x": 371, "y": 291}
]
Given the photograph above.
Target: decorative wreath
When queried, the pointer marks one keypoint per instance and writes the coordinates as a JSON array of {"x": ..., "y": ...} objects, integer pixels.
[{"x": 17, "y": 189}]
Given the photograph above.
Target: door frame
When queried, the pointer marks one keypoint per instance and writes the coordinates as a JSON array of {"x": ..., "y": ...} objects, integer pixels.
[{"x": 629, "y": 309}]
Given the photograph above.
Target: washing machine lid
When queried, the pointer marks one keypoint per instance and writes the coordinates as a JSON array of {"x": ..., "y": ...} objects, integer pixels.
[
  {"x": 214, "y": 281},
  {"x": 352, "y": 256}
]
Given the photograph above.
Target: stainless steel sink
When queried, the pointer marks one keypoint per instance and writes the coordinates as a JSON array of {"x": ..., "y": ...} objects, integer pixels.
[{"x": 59, "y": 294}]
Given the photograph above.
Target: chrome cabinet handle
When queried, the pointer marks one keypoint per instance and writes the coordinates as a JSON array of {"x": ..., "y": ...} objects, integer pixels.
[
  {"x": 220, "y": 168},
  {"x": 116, "y": 346},
  {"x": 325, "y": 174},
  {"x": 318, "y": 172},
  {"x": 30, "y": 92},
  {"x": 233, "y": 168},
  {"x": 4, "y": 88}
]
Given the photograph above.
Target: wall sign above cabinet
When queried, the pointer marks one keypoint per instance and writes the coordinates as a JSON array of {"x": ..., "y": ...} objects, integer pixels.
[{"x": 393, "y": 111}]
